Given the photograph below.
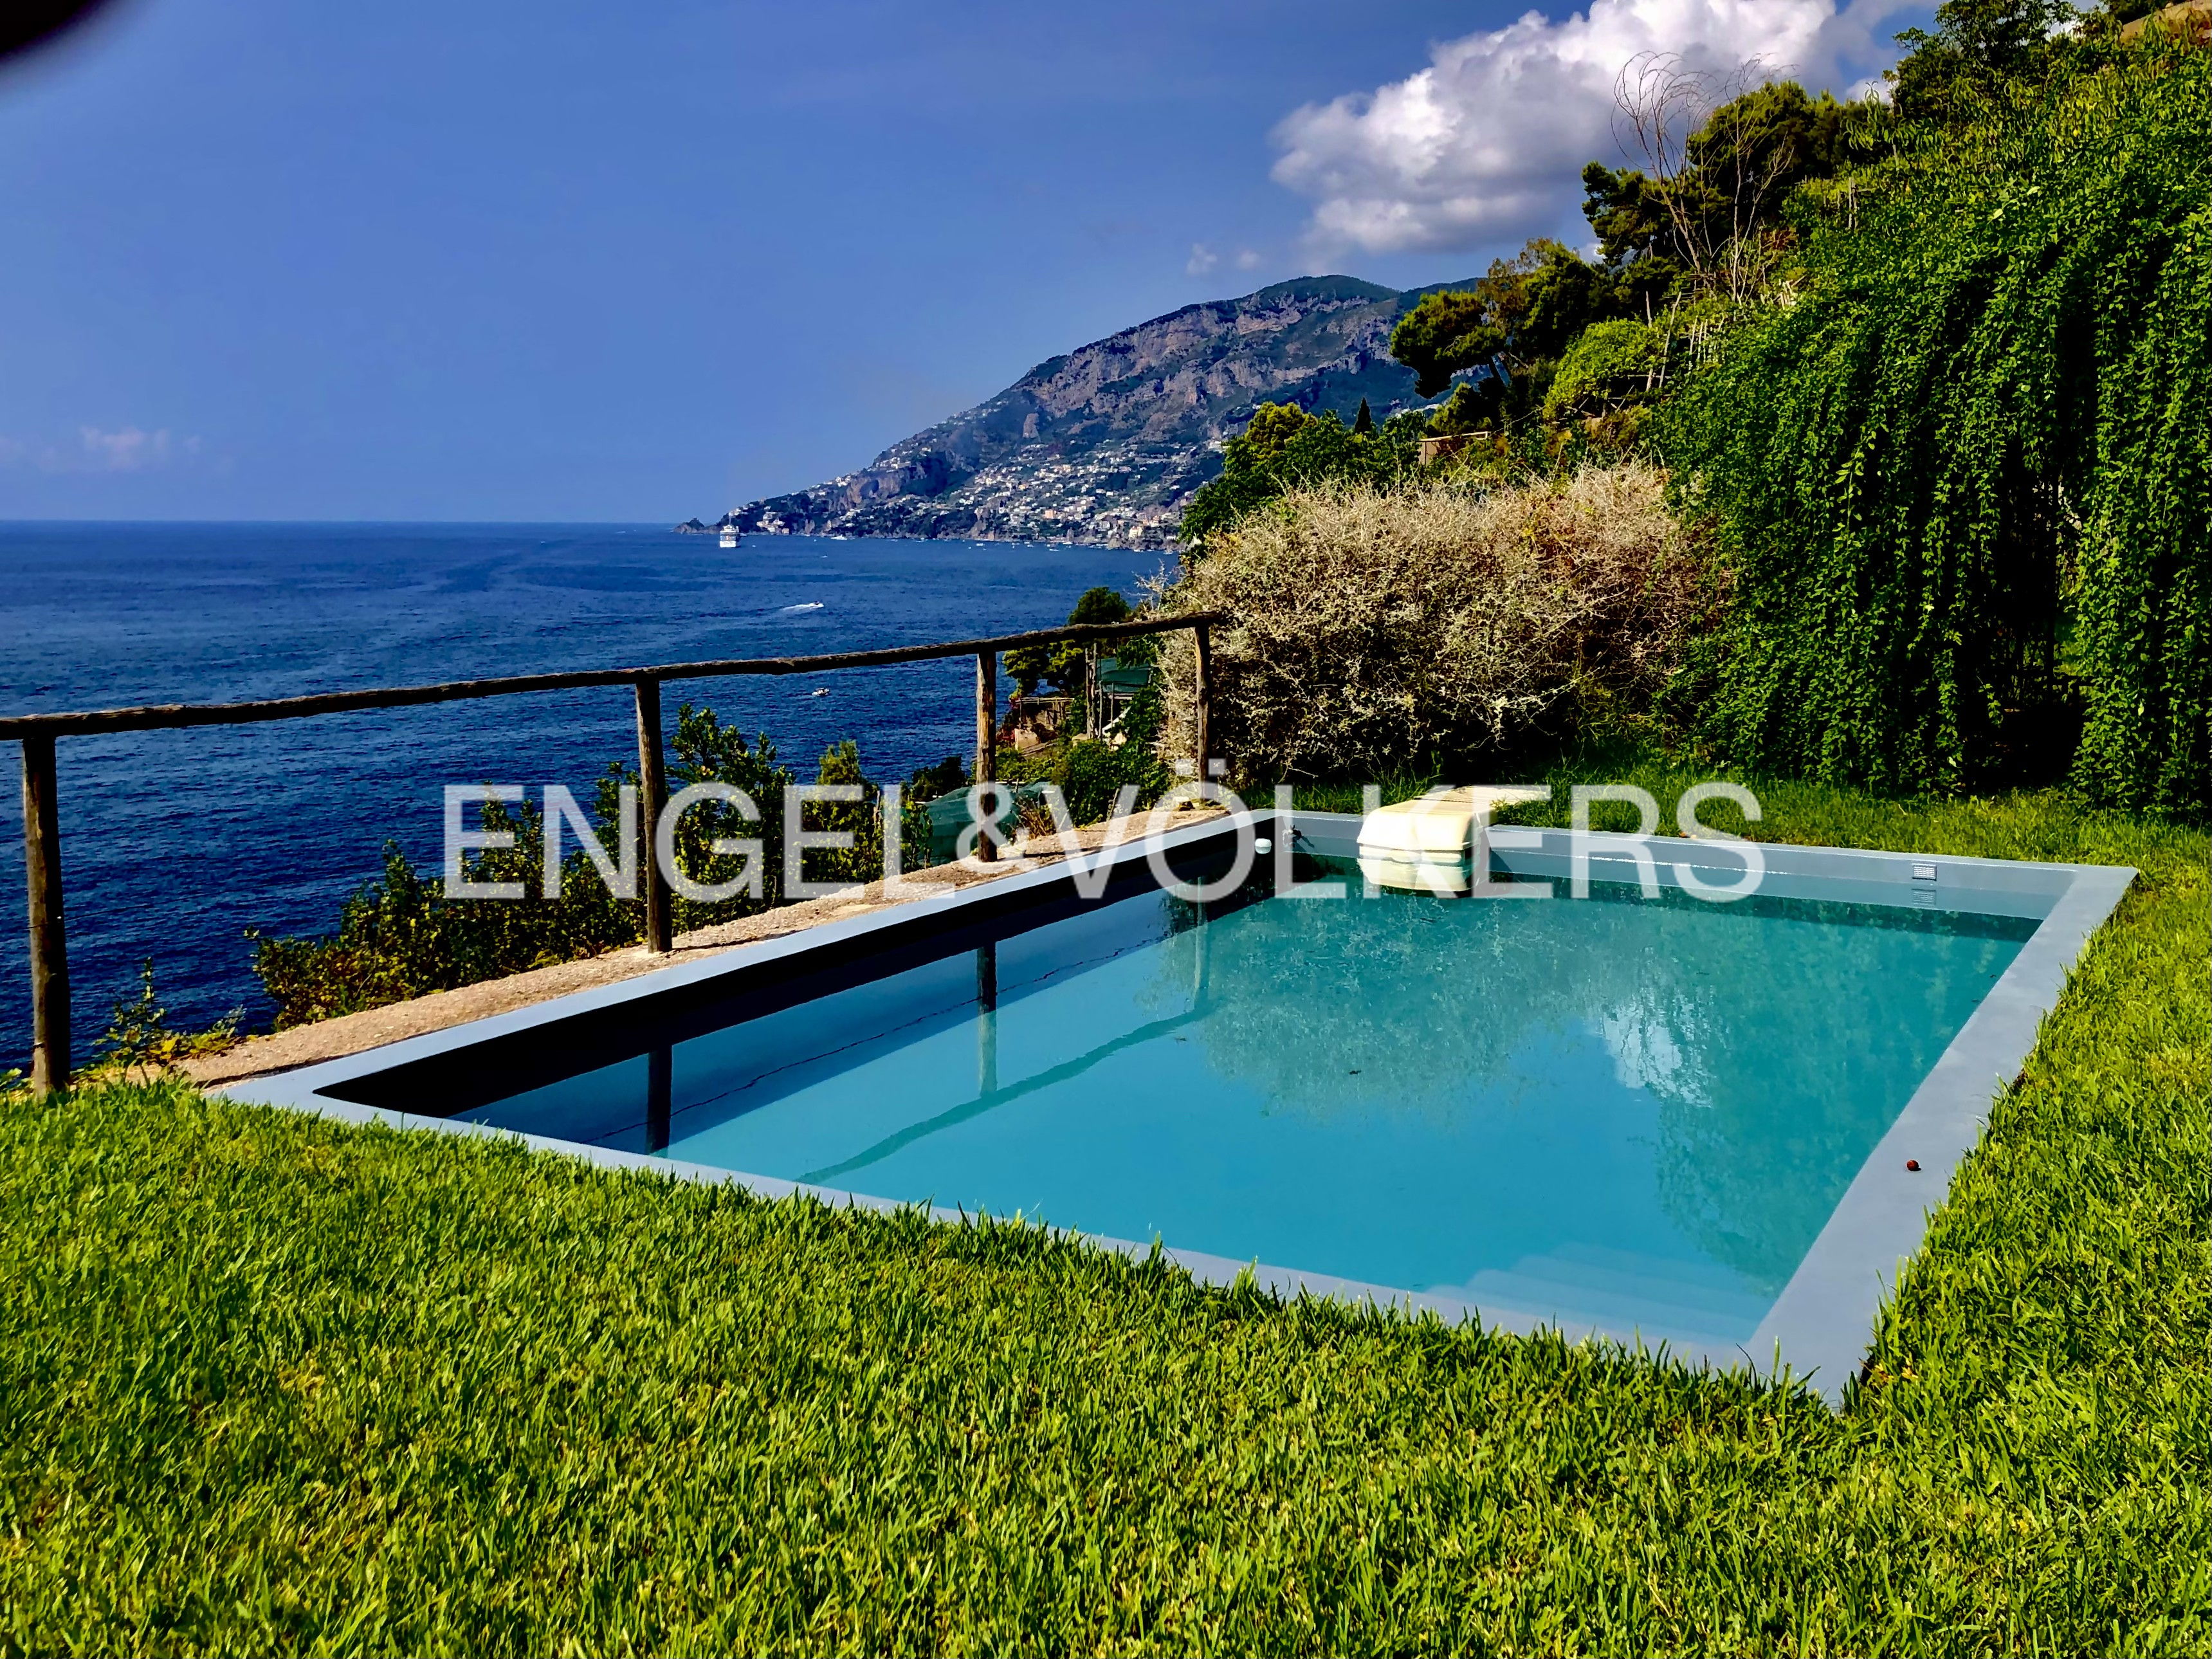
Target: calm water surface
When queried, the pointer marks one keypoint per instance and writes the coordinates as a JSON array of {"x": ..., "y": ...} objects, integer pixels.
[{"x": 1627, "y": 1113}]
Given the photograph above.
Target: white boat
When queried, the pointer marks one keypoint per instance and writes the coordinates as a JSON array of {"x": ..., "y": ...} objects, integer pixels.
[{"x": 729, "y": 535}]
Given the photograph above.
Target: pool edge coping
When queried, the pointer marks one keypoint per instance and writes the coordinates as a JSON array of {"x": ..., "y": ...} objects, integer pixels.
[
  {"x": 1827, "y": 1317},
  {"x": 1816, "y": 1333}
]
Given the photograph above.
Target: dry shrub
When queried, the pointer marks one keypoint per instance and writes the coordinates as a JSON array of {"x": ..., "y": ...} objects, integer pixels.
[{"x": 1378, "y": 632}]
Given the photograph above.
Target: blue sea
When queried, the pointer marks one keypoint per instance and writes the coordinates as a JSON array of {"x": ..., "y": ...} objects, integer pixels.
[{"x": 176, "y": 843}]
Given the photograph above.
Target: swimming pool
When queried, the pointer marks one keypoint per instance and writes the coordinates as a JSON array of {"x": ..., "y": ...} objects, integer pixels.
[{"x": 1638, "y": 1114}]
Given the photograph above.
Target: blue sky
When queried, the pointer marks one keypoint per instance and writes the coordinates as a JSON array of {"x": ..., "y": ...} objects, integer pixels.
[{"x": 574, "y": 261}]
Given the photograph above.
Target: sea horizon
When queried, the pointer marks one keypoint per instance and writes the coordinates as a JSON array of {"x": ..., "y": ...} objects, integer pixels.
[{"x": 174, "y": 843}]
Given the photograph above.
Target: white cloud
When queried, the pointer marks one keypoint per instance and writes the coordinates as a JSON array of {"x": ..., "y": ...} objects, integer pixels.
[
  {"x": 127, "y": 449},
  {"x": 1486, "y": 144},
  {"x": 1248, "y": 260},
  {"x": 1203, "y": 259}
]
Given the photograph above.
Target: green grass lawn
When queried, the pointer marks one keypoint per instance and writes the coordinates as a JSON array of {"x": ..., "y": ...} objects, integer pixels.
[{"x": 272, "y": 1383}]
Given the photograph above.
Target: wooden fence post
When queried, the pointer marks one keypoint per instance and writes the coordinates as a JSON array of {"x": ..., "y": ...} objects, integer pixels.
[
  {"x": 653, "y": 797},
  {"x": 42, "y": 863},
  {"x": 49, "y": 958},
  {"x": 1203, "y": 696},
  {"x": 987, "y": 736}
]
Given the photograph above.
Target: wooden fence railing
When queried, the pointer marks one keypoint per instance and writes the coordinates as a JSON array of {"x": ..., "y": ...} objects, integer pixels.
[{"x": 42, "y": 852}]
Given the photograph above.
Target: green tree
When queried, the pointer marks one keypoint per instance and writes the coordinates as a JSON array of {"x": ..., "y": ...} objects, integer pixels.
[
  {"x": 1272, "y": 426},
  {"x": 1446, "y": 333},
  {"x": 862, "y": 820},
  {"x": 1978, "y": 48},
  {"x": 1610, "y": 363},
  {"x": 1474, "y": 406},
  {"x": 1711, "y": 216},
  {"x": 1060, "y": 665},
  {"x": 1511, "y": 325},
  {"x": 1363, "y": 424}
]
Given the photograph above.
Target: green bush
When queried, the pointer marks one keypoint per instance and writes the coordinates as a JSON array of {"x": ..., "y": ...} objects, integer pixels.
[
  {"x": 1090, "y": 772},
  {"x": 140, "y": 1037},
  {"x": 400, "y": 936}
]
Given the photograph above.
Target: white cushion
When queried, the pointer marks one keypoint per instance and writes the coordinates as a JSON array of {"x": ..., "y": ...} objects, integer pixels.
[{"x": 1440, "y": 822}]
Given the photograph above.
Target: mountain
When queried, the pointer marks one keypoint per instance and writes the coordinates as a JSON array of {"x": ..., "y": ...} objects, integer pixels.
[{"x": 1106, "y": 444}]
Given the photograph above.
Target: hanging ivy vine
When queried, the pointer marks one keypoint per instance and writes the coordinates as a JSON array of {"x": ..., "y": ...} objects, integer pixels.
[{"x": 1964, "y": 483}]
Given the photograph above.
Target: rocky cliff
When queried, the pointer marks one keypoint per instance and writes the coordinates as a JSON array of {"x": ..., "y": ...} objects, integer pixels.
[{"x": 1107, "y": 443}]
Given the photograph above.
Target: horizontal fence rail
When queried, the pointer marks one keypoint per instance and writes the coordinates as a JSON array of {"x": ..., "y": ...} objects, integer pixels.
[
  {"x": 50, "y": 982},
  {"x": 161, "y": 717}
]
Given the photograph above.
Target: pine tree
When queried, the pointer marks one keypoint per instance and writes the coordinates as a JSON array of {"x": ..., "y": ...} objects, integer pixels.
[{"x": 1364, "y": 423}]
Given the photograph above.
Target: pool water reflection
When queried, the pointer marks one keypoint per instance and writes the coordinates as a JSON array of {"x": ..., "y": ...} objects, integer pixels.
[{"x": 1618, "y": 1111}]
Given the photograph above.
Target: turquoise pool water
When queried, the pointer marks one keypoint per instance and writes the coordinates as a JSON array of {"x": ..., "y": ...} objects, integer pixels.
[{"x": 1614, "y": 1111}]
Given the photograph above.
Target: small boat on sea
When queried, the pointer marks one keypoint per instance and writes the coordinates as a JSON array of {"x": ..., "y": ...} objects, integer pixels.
[{"x": 729, "y": 534}]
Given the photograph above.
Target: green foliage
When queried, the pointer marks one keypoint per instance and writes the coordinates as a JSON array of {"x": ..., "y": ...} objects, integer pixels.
[
  {"x": 1714, "y": 217},
  {"x": 1090, "y": 771},
  {"x": 1474, "y": 406},
  {"x": 1778, "y": 134},
  {"x": 704, "y": 750},
  {"x": 1506, "y": 337},
  {"x": 1092, "y": 775},
  {"x": 1963, "y": 484},
  {"x": 928, "y": 782},
  {"x": 1100, "y": 606},
  {"x": 1284, "y": 448},
  {"x": 1444, "y": 334},
  {"x": 1609, "y": 363},
  {"x": 1363, "y": 424},
  {"x": 1526, "y": 311},
  {"x": 1061, "y": 665},
  {"x": 861, "y": 821},
  {"x": 401, "y": 937},
  {"x": 273, "y": 1382},
  {"x": 1629, "y": 212},
  {"x": 1980, "y": 50},
  {"x": 140, "y": 1036},
  {"x": 1271, "y": 429}
]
